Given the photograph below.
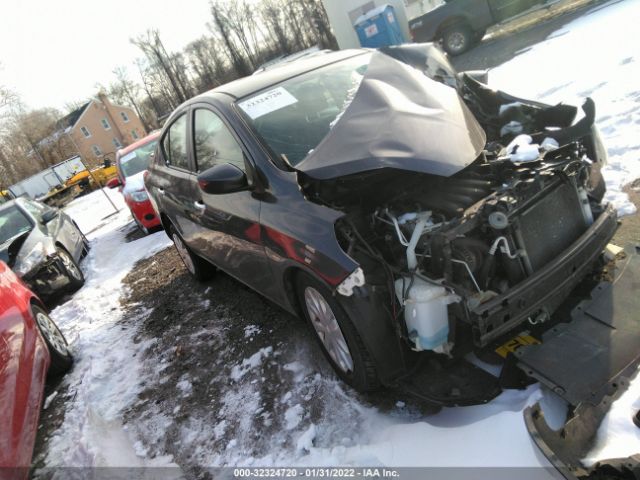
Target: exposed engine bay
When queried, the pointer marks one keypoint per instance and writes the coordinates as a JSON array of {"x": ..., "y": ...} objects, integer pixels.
[{"x": 451, "y": 250}]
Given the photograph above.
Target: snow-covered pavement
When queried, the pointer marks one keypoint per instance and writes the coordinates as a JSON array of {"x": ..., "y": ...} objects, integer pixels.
[{"x": 597, "y": 55}]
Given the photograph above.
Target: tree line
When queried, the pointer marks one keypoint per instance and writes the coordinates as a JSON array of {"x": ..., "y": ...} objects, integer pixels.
[{"x": 242, "y": 36}]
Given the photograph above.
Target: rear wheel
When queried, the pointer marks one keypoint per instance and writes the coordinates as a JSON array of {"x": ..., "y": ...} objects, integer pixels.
[
  {"x": 336, "y": 335},
  {"x": 198, "y": 267},
  {"x": 457, "y": 39},
  {"x": 61, "y": 358},
  {"x": 71, "y": 270}
]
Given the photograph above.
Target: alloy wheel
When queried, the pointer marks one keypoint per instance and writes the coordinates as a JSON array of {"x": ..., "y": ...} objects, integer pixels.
[
  {"x": 326, "y": 326},
  {"x": 69, "y": 265},
  {"x": 456, "y": 41},
  {"x": 51, "y": 332}
]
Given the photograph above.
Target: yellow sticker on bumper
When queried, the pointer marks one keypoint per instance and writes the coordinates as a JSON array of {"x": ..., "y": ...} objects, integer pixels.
[{"x": 515, "y": 343}]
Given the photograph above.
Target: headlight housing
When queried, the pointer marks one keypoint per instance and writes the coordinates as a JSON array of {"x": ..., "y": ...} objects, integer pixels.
[
  {"x": 36, "y": 256},
  {"x": 140, "y": 196}
]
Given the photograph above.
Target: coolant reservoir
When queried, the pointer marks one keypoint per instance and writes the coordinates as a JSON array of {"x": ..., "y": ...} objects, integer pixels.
[{"x": 425, "y": 313}]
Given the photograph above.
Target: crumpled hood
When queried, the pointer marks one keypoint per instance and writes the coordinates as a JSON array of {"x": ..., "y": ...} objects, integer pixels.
[
  {"x": 134, "y": 183},
  {"x": 12, "y": 250},
  {"x": 399, "y": 118}
]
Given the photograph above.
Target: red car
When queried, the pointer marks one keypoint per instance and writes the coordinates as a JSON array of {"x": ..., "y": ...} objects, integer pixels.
[
  {"x": 132, "y": 163},
  {"x": 30, "y": 346}
]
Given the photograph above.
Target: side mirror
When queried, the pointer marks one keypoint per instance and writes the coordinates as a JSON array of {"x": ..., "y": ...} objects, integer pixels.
[
  {"x": 223, "y": 178},
  {"x": 114, "y": 182},
  {"x": 49, "y": 215}
]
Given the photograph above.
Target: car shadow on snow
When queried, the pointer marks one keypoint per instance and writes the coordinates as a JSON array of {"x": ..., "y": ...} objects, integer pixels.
[{"x": 231, "y": 377}]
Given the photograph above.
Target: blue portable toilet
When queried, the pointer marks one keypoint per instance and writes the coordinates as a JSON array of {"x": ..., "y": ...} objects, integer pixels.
[{"x": 379, "y": 28}]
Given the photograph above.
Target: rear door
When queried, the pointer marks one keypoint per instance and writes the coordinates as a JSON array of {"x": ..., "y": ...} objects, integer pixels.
[
  {"x": 229, "y": 224},
  {"x": 173, "y": 181}
]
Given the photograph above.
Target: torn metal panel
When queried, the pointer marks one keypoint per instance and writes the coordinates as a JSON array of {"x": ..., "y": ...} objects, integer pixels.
[
  {"x": 565, "y": 447},
  {"x": 589, "y": 362},
  {"x": 582, "y": 360},
  {"x": 399, "y": 118}
]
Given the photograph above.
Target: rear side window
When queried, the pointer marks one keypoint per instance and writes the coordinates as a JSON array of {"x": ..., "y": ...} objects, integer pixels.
[
  {"x": 214, "y": 143},
  {"x": 174, "y": 144}
]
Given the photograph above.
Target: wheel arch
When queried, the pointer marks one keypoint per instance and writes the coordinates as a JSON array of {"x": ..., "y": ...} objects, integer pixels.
[
  {"x": 167, "y": 224},
  {"x": 364, "y": 309},
  {"x": 450, "y": 22}
]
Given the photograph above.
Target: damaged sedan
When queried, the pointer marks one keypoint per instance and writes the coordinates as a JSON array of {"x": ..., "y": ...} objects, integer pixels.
[
  {"x": 43, "y": 246},
  {"x": 416, "y": 218}
]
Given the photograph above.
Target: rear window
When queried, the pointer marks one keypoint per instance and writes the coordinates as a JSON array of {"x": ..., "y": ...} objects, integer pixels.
[{"x": 294, "y": 116}]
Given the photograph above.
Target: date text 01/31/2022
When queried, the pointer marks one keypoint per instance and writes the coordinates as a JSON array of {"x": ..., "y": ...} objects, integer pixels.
[{"x": 315, "y": 473}]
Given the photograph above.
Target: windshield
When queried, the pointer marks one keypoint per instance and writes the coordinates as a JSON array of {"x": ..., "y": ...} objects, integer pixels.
[
  {"x": 138, "y": 160},
  {"x": 297, "y": 114},
  {"x": 12, "y": 223}
]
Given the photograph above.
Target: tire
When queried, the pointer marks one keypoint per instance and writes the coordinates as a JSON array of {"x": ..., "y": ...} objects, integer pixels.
[
  {"x": 199, "y": 268},
  {"x": 61, "y": 358},
  {"x": 345, "y": 350},
  {"x": 457, "y": 39},
  {"x": 71, "y": 270}
]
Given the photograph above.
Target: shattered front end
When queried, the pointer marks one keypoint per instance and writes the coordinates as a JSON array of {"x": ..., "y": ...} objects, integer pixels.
[{"x": 472, "y": 233}]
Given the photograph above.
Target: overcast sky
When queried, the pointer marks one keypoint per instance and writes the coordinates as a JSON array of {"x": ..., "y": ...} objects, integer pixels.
[{"x": 55, "y": 51}]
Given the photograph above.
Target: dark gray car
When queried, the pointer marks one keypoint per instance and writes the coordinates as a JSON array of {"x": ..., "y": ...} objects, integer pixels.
[{"x": 42, "y": 245}]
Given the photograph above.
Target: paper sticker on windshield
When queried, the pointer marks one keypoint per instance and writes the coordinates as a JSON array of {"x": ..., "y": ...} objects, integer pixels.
[{"x": 267, "y": 102}]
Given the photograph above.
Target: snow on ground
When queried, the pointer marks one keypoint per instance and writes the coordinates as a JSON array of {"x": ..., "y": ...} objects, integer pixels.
[
  {"x": 596, "y": 56},
  {"x": 106, "y": 370}
]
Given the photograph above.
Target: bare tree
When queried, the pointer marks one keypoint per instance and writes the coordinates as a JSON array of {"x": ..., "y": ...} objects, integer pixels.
[
  {"x": 124, "y": 90},
  {"x": 222, "y": 29},
  {"x": 153, "y": 48}
]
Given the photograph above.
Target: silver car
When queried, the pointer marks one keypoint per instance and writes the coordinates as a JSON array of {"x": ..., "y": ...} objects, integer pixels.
[{"x": 43, "y": 246}]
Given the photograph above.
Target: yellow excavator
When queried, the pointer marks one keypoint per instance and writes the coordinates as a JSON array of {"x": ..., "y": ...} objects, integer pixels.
[{"x": 101, "y": 175}]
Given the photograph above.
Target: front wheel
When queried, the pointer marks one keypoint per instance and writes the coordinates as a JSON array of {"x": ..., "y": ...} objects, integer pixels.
[
  {"x": 198, "y": 267},
  {"x": 61, "y": 358},
  {"x": 336, "y": 334},
  {"x": 71, "y": 270}
]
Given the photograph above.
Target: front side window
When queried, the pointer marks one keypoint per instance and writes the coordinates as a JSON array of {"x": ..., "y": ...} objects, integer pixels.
[
  {"x": 294, "y": 116},
  {"x": 137, "y": 161},
  {"x": 85, "y": 131},
  {"x": 13, "y": 222},
  {"x": 174, "y": 144},
  {"x": 214, "y": 143},
  {"x": 105, "y": 124},
  {"x": 124, "y": 116}
]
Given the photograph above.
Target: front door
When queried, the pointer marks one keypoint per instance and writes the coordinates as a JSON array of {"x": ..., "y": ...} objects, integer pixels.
[
  {"x": 230, "y": 232},
  {"x": 174, "y": 181}
]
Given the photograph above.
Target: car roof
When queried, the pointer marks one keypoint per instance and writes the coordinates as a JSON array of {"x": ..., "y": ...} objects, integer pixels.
[
  {"x": 279, "y": 73},
  {"x": 10, "y": 203},
  {"x": 149, "y": 138}
]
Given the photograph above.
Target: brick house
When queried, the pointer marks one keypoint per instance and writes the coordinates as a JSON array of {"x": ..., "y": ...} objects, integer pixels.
[{"x": 99, "y": 128}]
